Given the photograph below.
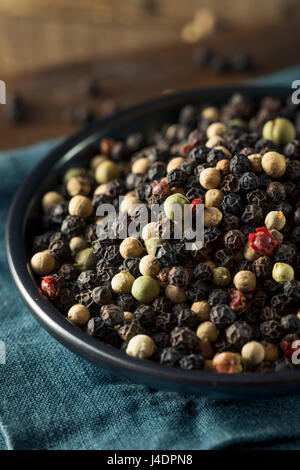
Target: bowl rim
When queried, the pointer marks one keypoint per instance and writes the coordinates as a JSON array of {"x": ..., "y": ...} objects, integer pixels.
[{"x": 75, "y": 338}]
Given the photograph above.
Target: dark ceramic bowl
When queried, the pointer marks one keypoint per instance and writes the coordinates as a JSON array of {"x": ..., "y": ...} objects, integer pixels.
[{"x": 25, "y": 209}]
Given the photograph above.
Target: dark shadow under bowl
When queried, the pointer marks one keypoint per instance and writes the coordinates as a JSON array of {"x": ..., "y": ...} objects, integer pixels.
[{"x": 25, "y": 210}]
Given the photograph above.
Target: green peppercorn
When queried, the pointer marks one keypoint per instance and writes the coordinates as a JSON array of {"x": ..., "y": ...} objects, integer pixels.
[
  {"x": 281, "y": 131},
  {"x": 282, "y": 272},
  {"x": 85, "y": 260},
  {"x": 145, "y": 289},
  {"x": 173, "y": 203},
  {"x": 221, "y": 276},
  {"x": 106, "y": 172}
]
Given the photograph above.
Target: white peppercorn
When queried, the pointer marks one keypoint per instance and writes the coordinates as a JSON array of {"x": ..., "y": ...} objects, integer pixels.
[
  {"x": 43, "y": 263},
  {"x": 78, "y": 315},
  {"x": 141, "y": 347}
]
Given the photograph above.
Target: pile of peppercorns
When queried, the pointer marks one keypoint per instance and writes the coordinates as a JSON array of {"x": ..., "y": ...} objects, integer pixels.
[{"x": 230, "y": 306}]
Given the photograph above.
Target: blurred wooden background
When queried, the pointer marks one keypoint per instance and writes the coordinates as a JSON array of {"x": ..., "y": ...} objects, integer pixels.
[
  {"x": 41, "y": 33},
  {"x": 132, "y": 49}
]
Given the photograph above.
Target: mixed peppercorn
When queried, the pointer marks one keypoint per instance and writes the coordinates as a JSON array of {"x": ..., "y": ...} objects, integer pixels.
[{"x": 230, "y": 306}]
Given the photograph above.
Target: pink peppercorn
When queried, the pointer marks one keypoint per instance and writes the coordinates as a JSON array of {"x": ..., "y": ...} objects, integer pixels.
[
  {"x": 162, "y": 188},
  {"x": 262, "y": 241},
  {"x": 50, "y": 286}
]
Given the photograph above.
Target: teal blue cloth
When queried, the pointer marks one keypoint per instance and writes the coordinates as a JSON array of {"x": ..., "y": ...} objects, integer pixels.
[{"x": 52, "y": 399}]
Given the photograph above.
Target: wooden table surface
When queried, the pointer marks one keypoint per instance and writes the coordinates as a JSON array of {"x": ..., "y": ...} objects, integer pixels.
[{"x": 52, "y": 94}]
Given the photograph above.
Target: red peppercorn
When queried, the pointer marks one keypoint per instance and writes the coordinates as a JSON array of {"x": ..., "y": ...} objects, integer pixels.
[
  {"x": 50, "y": 286},
  {"x": 262, "y": 241},
  {"x": 195, "y": 203},
  {"x": 185, "y": 149},
  {"x": 162, "y": 188},
  {"x": 238, "y": 301}
]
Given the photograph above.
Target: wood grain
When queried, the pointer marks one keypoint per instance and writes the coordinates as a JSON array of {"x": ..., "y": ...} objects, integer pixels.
[
  {"x": 51, "y": 94},
  {"x": 40, "y": 33}
]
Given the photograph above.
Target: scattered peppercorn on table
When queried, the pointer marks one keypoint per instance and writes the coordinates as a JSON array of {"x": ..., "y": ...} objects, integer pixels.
[{"x": 229, "y": 306}]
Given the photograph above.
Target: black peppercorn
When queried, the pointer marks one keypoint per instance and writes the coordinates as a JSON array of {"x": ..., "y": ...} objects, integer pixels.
[
  {"x": 230, "y": 184},
  {"x": 161, "y": 339},
  {"x": 191, "y": 362},
  {"x": 249, "y": 181},
  {"x": 259, "y": 298},
  {"x": 253, "y": 215},
  {"x": 280, "y": 303},
  {"x": 187, "y": 318},
  {"x": 232, "y": 203},
  {"x": 132, "y": 265},
  {"x": 170, "y": 357},
  {"x": 240, "y": 164},
  {"x": 203, "y": 272},
  {"x": 127, "y": 302},
  {"x": 98, "y": 327},
  {"x": 295, "y": 235},
  {"x": 214, "y": 156},
  {"x": 112, "y": 315},
  {"x": 86, "y": 298},
  {"x": 60, "y": 250},
  {"x": 272, "y": 287},
  {"x": 65, "y": 300},
  {"x": 268, "y": 314},
  {"x": 157, "y": 171},
  {"x": 258, "y": 197},
  {"x": 165, "y": 254},
  {"x": 176, "y": 177},
  {"x": 146, "y": 316},
  {"x": 69, "y": 272},
  {"x": 87, "y": 280},
  {"x": 292, "y": 290},
  {"x": 166, "y": 321},
  {"x": 217, "y": 296},
  {"x": 102, "y": 295},
  {"x": 178, "y": 276},
  {"x": 262, "y": 267},
  {"x": 224, "y": 258},
  {"x": 41, "y": 242},
  {"x": 276, "y": 191},
  {"x": 58, "y": 213},
  {"x": 184, "y": 340},
  {"x": 162, "y": 304},
  {"x": 199, "y": 154},
  {"x": 239, "y": 333},
  {"x": 211, "y": 234},
  {"x": 197, "y": 291},
  {"x": 234, "y": 240},
  {"x": 271, "y": 330},
  {"x": 229, "y": 222},
  {"x": 73, "y": 226},
  {"x": 222, "y": 316},
  {"x": 290, "y": 323},
  {"x": 130, "y": 329}
]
